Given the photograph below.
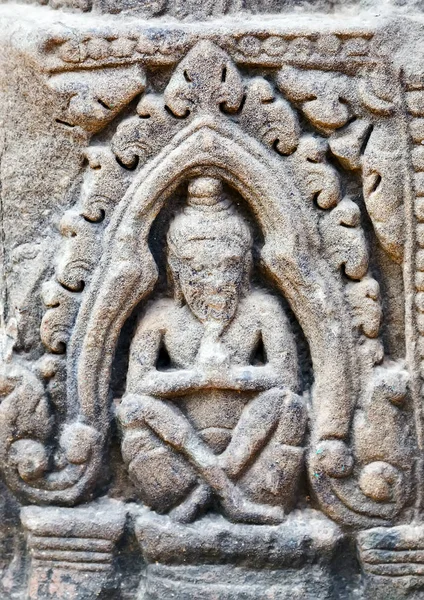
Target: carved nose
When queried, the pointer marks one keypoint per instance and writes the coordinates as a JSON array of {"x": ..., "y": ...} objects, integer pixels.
[
  {"x": 215, "y": 290},
  {"x": 216, "y": 282}
]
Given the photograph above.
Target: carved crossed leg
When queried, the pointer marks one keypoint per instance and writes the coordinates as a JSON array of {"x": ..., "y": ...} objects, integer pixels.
[
  {"x": 275, "y": 413},
  {"x": 157, "y": 428}
]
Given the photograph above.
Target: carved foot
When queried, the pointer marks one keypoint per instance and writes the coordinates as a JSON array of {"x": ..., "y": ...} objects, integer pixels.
[
  {"x": 192, "y": 506},
  {"x": 239, "y": 510}
]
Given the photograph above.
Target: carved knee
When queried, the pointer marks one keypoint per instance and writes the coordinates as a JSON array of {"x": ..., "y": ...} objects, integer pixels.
[
  {"x": 131, "y": 411},
  {"x": 290, "y": 411},
  {"x": 162, "y": 477}
]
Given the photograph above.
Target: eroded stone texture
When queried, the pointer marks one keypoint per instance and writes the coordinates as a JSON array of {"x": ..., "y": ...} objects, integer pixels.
[{"x": 211, "y": 353}]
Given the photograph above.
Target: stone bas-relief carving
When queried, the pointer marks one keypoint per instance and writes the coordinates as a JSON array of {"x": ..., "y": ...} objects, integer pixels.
[
  {"x": 220, "y": 402},
  {"x": 211, "y": 332}
]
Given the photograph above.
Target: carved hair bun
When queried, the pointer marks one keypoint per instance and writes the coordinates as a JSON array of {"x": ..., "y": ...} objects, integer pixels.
[{"x": 204, "y": 191}]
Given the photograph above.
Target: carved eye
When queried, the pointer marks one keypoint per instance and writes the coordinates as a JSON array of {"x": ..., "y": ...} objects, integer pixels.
[
  {"x": 196, "y": 268},
  {"x": 231, "y": 263}
]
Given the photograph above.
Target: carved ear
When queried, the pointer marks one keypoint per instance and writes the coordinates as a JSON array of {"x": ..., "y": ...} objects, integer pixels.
[{"x": 172, "y": 270}]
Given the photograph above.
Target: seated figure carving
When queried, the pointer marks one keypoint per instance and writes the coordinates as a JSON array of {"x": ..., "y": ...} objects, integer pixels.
[{"x": 211, "y": 412}]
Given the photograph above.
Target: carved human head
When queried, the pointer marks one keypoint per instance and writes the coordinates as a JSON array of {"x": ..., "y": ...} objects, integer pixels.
[{"x": 209, "y": 257}]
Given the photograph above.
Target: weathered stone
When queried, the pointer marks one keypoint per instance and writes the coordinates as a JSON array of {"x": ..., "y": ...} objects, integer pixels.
[
  {"x": 212, "y": 300},
  {"x": 72, "y": 549}
]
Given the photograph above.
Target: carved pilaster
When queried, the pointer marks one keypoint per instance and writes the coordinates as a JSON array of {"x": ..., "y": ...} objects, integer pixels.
[
  {"x": 72, "y": 550},
  {"x": 393, "y": 561}
]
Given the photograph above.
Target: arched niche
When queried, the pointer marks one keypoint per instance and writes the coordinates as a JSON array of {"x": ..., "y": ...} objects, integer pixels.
[{"x": 291, "y": 255}]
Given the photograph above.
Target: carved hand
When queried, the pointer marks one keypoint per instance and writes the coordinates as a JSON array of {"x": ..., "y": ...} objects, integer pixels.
[
  {"x": 173, "y": 382},
  {"x": 182, "y": 381},
  {"x": 253, "y": 378}
]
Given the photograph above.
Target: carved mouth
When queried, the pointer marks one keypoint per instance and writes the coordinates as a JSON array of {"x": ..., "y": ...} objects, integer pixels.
[{"x": 216, "y": 302}]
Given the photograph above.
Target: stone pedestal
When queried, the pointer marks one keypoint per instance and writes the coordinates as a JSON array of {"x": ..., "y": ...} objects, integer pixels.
[
  {"x": 72, "y": 550},
  {"x": 216, "y": 559},
  {"x": 392, "y": 559}
]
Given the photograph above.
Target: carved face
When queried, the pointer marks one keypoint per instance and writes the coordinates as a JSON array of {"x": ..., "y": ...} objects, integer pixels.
[{"x": 211, "y": 281}]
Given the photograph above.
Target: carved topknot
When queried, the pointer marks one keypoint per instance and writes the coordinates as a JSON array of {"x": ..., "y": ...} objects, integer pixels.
[
  {"x": 204, "y": 191},
  {"x": 209, "y": 217}
]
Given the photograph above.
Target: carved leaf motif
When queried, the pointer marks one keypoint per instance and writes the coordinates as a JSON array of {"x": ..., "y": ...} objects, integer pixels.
[
  {"x": 344, "y": 240},
  {"x": 96, "y": 97},
  {"x": 383, "y": 193},
  {"x": 364, "y": 298},
  {"x": 51, "y": 368},
  {"x": 318, "y": 180},
  {"x": 381, "y": 435},
  {"x": 270, "y": 118},
  {"x": 78, "y": 442},
  {"x": 376, "y": 151},
  {"x": 80, "y": 253},
  {"x": 104, "y": 185},
  {"x": 347, "y": 144},
  {"x": 27, "y": 462},
  {"x": 26, "y": 421},
  {"x": 377, "y": 90},
  {"x": 23, "y": 404},
  {"x": 146, "y": 134},
  {"x": 31, "y": 263},
  {"x": 322, "y": 96},
  {"x": 378, "y": 487},
  {"x": 205, "y": 81},
  {"x": 57, "y": 322}
]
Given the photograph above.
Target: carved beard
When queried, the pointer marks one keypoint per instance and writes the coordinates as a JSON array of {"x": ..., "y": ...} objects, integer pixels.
[{"x": 218, "y": 307}]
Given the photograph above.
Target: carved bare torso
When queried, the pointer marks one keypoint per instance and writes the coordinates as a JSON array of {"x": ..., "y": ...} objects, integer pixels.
[{"x": 255, "y": 352}]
